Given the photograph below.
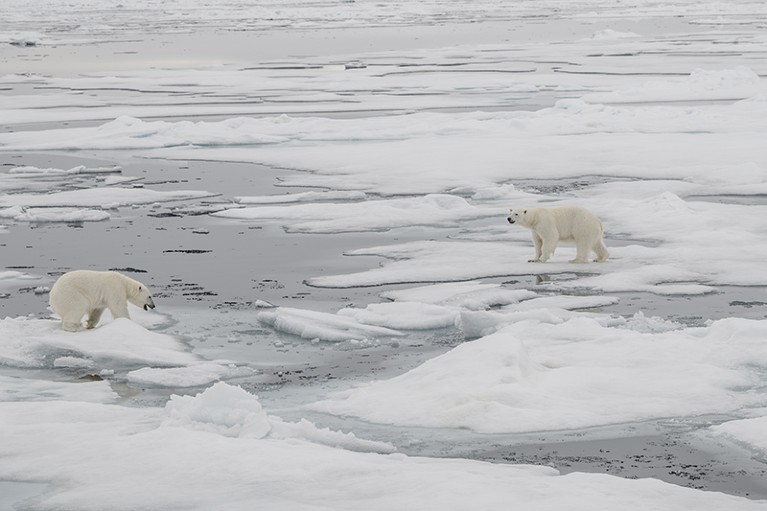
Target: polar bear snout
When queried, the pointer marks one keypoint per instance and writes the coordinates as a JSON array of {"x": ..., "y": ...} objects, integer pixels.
[
  {"x": 149, "y": 304},
  {"x": 511, "y": 220}
]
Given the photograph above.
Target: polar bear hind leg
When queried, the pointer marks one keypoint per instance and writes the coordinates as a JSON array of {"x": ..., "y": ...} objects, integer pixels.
[
  {"x": 72, "y": 326},
  {"x": 601, "y": 251},
  {"x": 582, "y": 248},
  {"x": 548, "y": 247},
  {"x": 71, "y": 312},
  {"x": 94, "y": 317}
]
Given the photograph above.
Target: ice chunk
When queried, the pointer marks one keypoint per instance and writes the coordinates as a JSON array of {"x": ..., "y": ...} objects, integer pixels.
[
  {"x": 319, "y": 325},
  {"x": 221, "y": 409},
  {"x": 42, "y": 215},
  {"x": 404, "y": 315},
  {"x": 194, "y": 375}
]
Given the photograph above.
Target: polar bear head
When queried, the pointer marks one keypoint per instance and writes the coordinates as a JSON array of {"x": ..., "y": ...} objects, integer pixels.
[
  {"x": 139, "y": 295},
  {"x": 518, "y": 216}
]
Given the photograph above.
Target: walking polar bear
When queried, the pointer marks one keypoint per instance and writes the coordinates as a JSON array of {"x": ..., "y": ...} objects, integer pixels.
[
  {"x": 85, "y": 292},
  {"x": 566, "y": 223}
]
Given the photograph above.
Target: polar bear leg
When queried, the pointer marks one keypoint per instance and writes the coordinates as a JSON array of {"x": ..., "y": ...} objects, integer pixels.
[
  {"x": 94, "y": 317},
  {"x": 538, "y": 243},
  {"x": 547, "y": 249},
  {"x": 71, "y": 325},
  {"x": 119, "y": 310},
  {"x": 601, "y": 251},
  {"x": 71, "y": 312},
  {"x": 582, "y": 248}
]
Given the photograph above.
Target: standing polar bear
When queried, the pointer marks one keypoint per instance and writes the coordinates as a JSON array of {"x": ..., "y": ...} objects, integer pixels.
[
  {"x": 85, "y": 292},
  {"x": 566, "y": 223}
]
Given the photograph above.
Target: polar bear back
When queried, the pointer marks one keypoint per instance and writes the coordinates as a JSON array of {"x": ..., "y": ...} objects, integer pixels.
[
  {"x": 571, "y": 222},
  {"x": 97, "y": 288}
]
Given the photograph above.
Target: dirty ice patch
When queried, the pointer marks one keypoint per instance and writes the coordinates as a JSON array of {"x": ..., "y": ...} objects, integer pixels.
[
  {"x": 533, "y": 376},
  {"x": 321, "y": 325},
  {"x": 43, "y": 215},
  {"x": 368, "y": 215},
  {"x": 751, "y": 432},
  {"x": 34, "y": 343},
  {"x": 195, "y": 375},
  {"x": 100, "y": 197},
  {"x": 27, "y": 389},
  {"x": 701, "y": 85},
  {"x": 230, "y": 411}
]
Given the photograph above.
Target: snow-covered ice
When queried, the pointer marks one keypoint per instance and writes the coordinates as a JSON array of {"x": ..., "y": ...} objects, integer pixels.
[
  {"x": 220, "y": 450},
  {"x": 535, "y": 376}
]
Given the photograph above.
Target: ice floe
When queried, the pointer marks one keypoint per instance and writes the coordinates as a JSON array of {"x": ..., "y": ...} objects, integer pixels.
[
  {"x": 324, "y": 326},
  {"x": 534, "y": 376},
  {"x": 432, "y": 210},
  {"x": 34, "y": 343},
  {"x": 220, "y": 449},
  {"x": 750, "y": 432}
]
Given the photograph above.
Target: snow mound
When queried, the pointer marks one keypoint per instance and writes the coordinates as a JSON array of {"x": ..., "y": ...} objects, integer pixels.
[
  {"x": 231, "y": 411},
  {"x": 221, "y": 409}
]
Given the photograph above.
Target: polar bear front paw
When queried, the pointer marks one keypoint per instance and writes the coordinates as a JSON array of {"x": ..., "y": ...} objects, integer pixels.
[{"x": 72, "y": 327}]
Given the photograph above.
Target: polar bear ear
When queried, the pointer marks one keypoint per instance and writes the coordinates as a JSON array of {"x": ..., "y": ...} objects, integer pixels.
[{"x": 525, "y": 212}]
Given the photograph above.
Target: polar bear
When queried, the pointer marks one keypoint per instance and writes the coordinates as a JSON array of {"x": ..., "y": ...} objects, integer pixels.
[
  {"x": 81, "y": 292},
  {"x": 566, "y": 223}
]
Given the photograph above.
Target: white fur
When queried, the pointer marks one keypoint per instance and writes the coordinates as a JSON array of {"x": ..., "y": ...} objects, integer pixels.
[
  {"x": 84, "y": 292},
  {"x": 566, "y": 223}
]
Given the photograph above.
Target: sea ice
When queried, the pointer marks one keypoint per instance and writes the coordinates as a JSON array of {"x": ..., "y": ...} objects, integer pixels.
[
  {"x": 35, "y": 343},
  {"x": 747, "y": 431},
  {"x": 541, "y": 376},
  {"x": 221, "y": 450},
  {"x": 320, "y": 325}
]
